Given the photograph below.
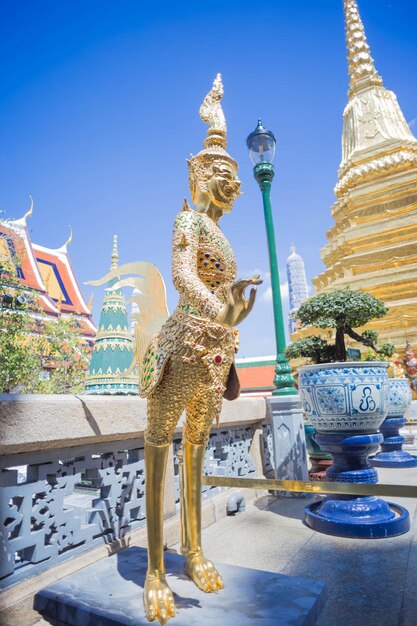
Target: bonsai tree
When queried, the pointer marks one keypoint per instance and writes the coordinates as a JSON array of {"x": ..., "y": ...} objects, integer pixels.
[{"x": 342, "y": 310}]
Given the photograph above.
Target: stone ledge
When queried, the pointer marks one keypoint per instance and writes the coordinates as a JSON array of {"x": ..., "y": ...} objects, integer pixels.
[{"x": 42, "y": 422}]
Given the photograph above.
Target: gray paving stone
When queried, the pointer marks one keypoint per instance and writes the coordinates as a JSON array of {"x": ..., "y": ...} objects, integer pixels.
[
  {"x": 365, "y": 578},
  {"x": 256, "y": 538},
  {"x": 409, "y": 604}
]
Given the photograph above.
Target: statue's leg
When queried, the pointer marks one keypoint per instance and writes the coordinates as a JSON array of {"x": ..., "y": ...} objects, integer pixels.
[
  {"x": 165, "y": 405},
  {"x": 201, "y": 409},
  {"x": 158, "y": 598}
]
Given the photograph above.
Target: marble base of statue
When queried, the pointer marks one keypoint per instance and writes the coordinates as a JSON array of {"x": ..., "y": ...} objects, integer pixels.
[{"x": 110, "y": 592}]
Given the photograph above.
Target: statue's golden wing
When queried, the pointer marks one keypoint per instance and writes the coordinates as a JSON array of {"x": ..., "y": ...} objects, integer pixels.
[{"x": 149, "y": 310}]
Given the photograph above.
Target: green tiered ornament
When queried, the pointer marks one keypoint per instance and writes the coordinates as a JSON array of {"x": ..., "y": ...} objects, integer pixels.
[{"x": 110, "y": 369}]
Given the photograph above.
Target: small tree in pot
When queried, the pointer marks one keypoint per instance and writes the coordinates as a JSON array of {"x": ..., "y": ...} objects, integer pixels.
[
  {"x": 342, "y": 310},
  {"x": 346, "y": 404}
]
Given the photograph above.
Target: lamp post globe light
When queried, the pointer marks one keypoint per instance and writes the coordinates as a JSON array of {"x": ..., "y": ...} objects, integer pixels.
[{"x": 261, "y": 144}]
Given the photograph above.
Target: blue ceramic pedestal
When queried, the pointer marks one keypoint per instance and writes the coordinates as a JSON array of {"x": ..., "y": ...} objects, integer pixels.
[
  {"x": 392, "y": 454},
  {"x": 319, "y": 460},
  {"x": 350, "y": 516}
]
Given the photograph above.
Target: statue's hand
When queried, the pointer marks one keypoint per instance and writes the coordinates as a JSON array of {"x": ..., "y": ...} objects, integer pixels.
[{"x": 238, "y": 307}]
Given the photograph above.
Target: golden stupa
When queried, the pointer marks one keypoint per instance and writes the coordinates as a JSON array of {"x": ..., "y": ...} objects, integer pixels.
[{"x": 373, "y": 243}]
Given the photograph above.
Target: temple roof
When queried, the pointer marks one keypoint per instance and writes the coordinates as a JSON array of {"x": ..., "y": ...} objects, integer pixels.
[
  {"x": 15, "y": 245},
  {"x": 59, "y": 278},
  {"x": 46, "y": 271}
]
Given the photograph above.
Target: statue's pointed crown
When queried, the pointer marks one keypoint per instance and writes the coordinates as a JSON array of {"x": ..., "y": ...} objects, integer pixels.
[
  {"x": 215, "y": 142},
  {"x": 211, "y": 112}
]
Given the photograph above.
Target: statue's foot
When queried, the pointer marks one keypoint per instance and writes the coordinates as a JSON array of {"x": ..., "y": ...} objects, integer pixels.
[
  {"x": 203, "y": 573},
  {"x": 158, "y": 599}
]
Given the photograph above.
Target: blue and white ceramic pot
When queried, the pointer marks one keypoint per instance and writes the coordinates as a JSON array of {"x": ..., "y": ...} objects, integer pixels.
[
  {"x": 347, "y": 403},
  {"x": 392, "y": 454},
  {"x": 399, "y": 397},
  {"x": 345, "y": 397}
]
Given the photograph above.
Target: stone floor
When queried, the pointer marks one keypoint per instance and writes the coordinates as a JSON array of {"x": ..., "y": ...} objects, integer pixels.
[{"x": 370, "y": 582}]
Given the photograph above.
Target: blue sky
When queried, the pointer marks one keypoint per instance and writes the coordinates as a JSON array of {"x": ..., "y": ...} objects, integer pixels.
[{"x": 99, "y": 110}]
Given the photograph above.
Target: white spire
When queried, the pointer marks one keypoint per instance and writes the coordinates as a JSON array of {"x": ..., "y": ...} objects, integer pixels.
[{"x": 297, "y": 283}]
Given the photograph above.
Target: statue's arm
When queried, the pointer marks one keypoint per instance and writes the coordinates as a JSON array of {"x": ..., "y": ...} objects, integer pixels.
[{"x": 184, "y": 265}]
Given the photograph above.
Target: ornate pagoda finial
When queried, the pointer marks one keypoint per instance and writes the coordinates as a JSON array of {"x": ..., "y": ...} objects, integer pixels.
[
  {"x": 292, "y": 249},
  {"x": 114, "y": 254},
  {"x": 362, "y": 71}
]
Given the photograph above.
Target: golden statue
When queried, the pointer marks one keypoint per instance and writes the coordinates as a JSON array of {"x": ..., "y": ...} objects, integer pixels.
[{"x": 189, "y": 364}]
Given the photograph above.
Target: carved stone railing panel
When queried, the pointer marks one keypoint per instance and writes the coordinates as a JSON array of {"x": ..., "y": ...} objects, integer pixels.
[
  {"x": 268, "y": 449},
  {"x": 72, "y": 473},
  {"x": 49, "y": 516},
  {"x": 227, "y": 454}
]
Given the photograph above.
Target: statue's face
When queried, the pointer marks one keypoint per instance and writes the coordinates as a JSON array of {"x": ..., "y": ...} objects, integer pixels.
[{"x": 223, "y": 186}]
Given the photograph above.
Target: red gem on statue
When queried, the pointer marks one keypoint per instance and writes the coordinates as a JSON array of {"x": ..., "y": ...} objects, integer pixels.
[{"x": 218, "y": 359}]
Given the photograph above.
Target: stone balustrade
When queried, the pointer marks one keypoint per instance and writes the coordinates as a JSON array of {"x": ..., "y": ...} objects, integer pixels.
[{"x": 72, "y": 472}]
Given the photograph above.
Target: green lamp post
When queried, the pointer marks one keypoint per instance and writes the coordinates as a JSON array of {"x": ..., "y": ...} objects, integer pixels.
[{"x": 261, "y": 145}]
